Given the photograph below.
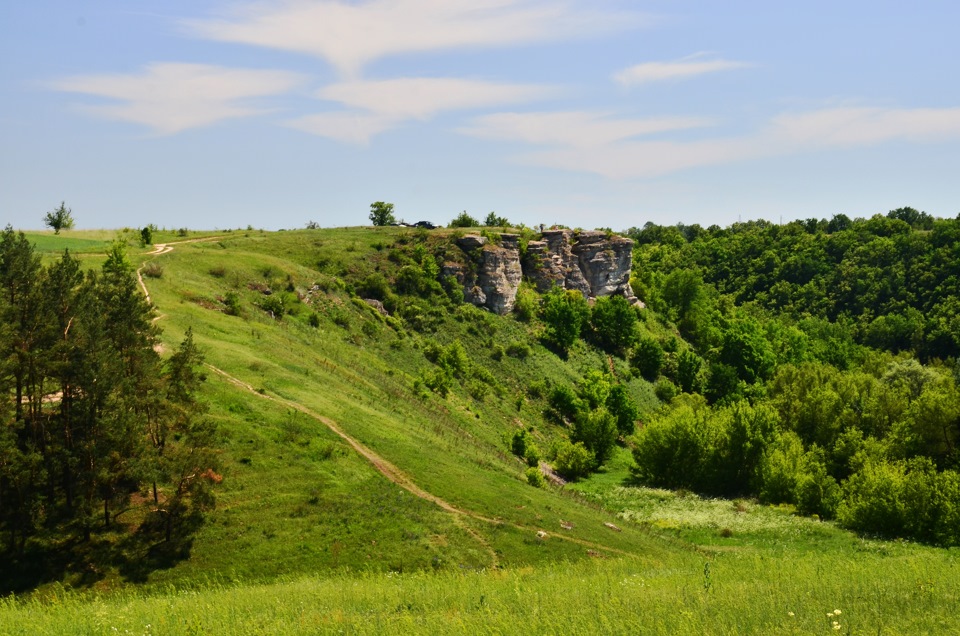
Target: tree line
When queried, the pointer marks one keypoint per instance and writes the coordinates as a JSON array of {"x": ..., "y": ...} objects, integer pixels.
[
  {"x": 99, "y": 433},
  {"x": 812, "y": 364}
]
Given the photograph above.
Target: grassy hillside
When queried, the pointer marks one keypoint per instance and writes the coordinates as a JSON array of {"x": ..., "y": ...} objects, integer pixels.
[
  {"x": 358, "y": 371},
  {"x": 354, "y": 498}
]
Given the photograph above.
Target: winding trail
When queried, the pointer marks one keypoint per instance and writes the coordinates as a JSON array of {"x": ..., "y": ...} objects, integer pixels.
[{"x": 384, "y": 467}]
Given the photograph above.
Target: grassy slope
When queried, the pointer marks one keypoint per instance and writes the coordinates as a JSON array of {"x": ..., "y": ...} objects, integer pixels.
[
  {"x": 297, "y": 500},
  {"x": 360, "y": 375}
]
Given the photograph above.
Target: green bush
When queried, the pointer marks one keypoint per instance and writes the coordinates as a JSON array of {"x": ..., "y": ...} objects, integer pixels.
[
  {"x": 564, "y": 403},
  {"x": 613, "y": 324},
  {"x": 907, "y": 499},
  {"x": 526, "y": 303},
  {"x": 623, "y": 409},
  {"x": 518, "y": 443},
  {"x": 647, "y": 358},
  {"x": 597, "y": 431},
  {"x": 519, "y": 350},
  {"x": 464, "y": 220},
  {"x": 572, "y": 460},
  {"x": 231, "y": 303},
  {"x": 273, "y": 305},
  {"x": 665, "y": 390},
  {"x": 532, "y": 454},
  {"x": 535, "y": 478}
]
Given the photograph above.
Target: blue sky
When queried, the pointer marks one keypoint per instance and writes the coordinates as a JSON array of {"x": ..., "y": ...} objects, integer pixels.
[{"x": 591, "y": 114}]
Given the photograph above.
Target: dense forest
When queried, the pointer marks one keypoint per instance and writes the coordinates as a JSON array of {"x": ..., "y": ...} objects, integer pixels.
[
  {"x": 99, "y": 433},
  {"x": 815, "y": 364}
]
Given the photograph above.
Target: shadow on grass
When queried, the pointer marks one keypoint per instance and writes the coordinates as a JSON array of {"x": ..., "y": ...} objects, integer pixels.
[{"x": 81, "y": 564}]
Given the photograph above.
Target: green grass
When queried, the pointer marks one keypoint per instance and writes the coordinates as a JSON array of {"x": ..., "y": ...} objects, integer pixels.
[
  {"x": 689, "y": 594},
  {"x": 309, "y": 537}
]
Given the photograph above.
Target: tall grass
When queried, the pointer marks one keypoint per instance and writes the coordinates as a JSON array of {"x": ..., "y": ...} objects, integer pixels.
[{"x": 722, "y": 594}]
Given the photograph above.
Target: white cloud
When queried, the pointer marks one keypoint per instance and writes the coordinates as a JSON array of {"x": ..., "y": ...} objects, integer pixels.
[
  {"x": 861, "y": 126},
  {"x": 378, "y": 105},
  {"x": 687, "y": 67},
  {"x": 423, "y": 97},
  {"x": 172, "y": 97},
  {"x": 619, "y": 157},
  {"x": 575, "y": 128},
  {"x": 351, "y": 34},
  {"x": 349, "y": 127}
]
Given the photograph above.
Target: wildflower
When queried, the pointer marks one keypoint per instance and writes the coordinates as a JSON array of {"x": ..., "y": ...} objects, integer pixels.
[
  {"x": 836, "y": 625},
  {"x": 837, "y": 612},
  {"x": 790, "y": 614}
]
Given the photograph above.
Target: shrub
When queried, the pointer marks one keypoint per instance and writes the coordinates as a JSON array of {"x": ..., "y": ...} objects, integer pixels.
[
  {"x": 532, "y": 454},
  {"x": 597, "y": 431},
  {"x": 564, "y": 312},
  {"x": 613, "y": 324},
  {"x": 564, "y": 403},
  {"x": 688, "y": 371},
  {"x": 525, "y": 306},
  {"x": 518, "y": 444},
  {"x": 493, "y": 220},
  {"x": 623, "y": 409},
  {"x": 665, "y": 390},
  {"x": 314, "y": 320},
  {"x": 647, "y": 358},
  {"x": 817, "y": 492},
  {"x": 232, "y": 303},
  {"x": 535, "y": 478},
  {"x": 464, "y": 220},
  {"x": 519, "y": 350},
  {"x": 153, "y": 270},
  {"x": 572, "y": 460},
  {"x": 437, "y": 380},
  {"x": 779, "y": 468},
  {"x": 273, "y": 305}
]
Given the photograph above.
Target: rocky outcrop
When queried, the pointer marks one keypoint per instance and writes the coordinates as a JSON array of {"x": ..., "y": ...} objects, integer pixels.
[
  {"x": 496, "y": 274},
  {"x": 592, "y": 263},
  {"x": 605, "y": 263},
  {"x": 552, "y": 263}
]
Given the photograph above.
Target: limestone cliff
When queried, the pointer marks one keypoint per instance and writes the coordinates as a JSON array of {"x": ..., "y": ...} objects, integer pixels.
[
  {"x": 493, "y": 280},
  {"x": 590, "y": 262}
]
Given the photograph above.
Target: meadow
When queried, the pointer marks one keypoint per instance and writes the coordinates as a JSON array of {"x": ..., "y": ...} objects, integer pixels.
[{"x": 354, "y": 501}]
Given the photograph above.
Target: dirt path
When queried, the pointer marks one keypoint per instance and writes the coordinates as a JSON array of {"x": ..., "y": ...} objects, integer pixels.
[
  {"x": 164, "y": 248},
  {"x": 397, "y": 476},
  {"x": 386, "y": 468}
]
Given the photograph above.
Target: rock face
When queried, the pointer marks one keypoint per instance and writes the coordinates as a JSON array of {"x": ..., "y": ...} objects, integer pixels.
[
  {"x": 497, "y": 274},
  {"x": 589, "y": 262},
  {"x": 605, "y": 263}
]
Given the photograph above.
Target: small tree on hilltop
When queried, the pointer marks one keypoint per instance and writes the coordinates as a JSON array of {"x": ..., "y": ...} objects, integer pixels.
[
  {"x": 464, "y": 220},
  {"x": 382, "y": 213},
  {"x": 59, "y": 219}
]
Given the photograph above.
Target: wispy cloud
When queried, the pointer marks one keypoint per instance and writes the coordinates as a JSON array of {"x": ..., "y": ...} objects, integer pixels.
[
  {"x": 172, "y": 97},
  {"x": 579, "y": 129},
  {"x": 378, "y": 105},
  {"x": 687, "y": 67},
  {"x": 352, "y": 34},
  {"x": 352, "y": 127},
  {"x": 622, "y": 157}
]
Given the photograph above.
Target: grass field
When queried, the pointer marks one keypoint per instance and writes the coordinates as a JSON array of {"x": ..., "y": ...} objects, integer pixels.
[{"x": 431, "y": 527}]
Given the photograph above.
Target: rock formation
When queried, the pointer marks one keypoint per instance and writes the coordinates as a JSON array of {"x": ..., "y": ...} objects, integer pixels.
[
  {"x": 591, "y": 262},
  {"x": 495, "y": 275}
]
